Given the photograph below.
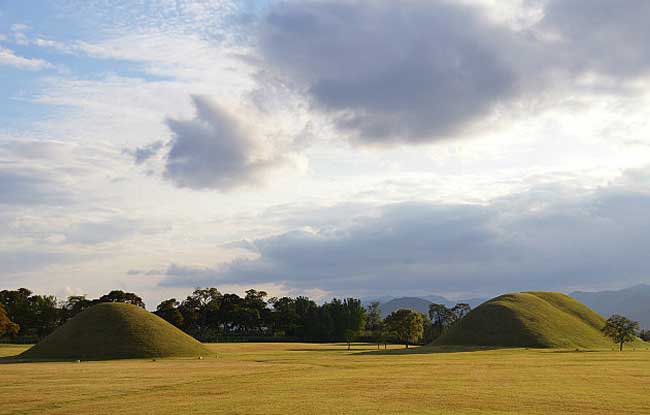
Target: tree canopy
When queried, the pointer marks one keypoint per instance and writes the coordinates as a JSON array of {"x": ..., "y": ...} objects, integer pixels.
[
  {"x": 443, "y": 317},
  {"x": 620, "y": 329},
  {"x": 407, "y": 326}
]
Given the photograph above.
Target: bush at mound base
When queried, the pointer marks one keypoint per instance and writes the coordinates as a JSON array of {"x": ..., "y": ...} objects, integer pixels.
[
  {"x": 530, "y": 319},
  {"x": 115, "y": 331}
]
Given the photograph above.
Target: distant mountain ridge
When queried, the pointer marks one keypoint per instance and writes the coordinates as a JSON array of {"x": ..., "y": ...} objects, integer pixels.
[
  {"x": 633, "y": 302},
  {"x": 420, "y": 304}
]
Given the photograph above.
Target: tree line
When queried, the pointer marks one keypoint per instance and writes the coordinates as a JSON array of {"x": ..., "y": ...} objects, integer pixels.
[{"x": 209, "y": 315}]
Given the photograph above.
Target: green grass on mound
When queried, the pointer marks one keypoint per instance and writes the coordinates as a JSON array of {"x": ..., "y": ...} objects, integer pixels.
[
  {"x": 115, "y": 331},
  {"x": 531, "y": 319}
]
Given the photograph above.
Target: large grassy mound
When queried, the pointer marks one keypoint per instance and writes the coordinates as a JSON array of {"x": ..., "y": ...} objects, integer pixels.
[
  {"x": 115, "y": 331},
  {"x": 530, "y": 319}
]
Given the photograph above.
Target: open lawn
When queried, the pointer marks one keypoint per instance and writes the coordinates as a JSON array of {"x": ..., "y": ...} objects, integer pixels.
[{"x": 294, "y": 378}]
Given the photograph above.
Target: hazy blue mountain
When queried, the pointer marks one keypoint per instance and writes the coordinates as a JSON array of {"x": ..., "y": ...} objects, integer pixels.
[
  {"x": 382, "y": 299},
  {"x": 633, "y": 302},
  {"x": 437, "y": 299},
  {"x": 413, "y": 303},
  {"x": 421, "y": 304}
]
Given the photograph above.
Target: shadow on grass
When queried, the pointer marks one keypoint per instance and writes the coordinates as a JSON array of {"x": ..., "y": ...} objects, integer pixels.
[
  {"x": 18, "y": 359},
  {"x": 432, "y": 350},
  {"x": 336, "y": 347},
  {"x": 331, "y": 349},
  {"x": 580, "y": 351},
  {"x": 13, "y": 359}
]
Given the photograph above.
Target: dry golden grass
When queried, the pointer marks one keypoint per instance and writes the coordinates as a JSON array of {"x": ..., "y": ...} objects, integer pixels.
[{"x": 299, "y": 378}]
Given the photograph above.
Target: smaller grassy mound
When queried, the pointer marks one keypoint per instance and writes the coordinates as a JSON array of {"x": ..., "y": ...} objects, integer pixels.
[
  {"x": 115, "y": 331},
  {"x": 531, "y": 319}
]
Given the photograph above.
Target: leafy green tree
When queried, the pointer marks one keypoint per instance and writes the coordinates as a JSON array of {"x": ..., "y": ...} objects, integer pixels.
[
  {"x": 36, "y": 315},
  {"x": 231, "y": 312},
  {"x": 460, "y": 310},
  {"x": 7, "y": 327},
  {"x": 346, "y": 316},
  {"x": 429, "y": 331},
  {"x": 385, "y": 334},
  {"x": 285, "y": 317},
  {"x": 75, "y": 304},
  {"x": 620, "y": 329},
  {"x": 168, "y": 310},
  {"x": 306, "y": 325},
  {"x": 18, "y": 308},
  {"x": 201, "y": 312},
  {"x": 46, "y": 314},
  {"x": 374, "y": 322},
  {"x": 441, "y": 317},
  {"x": 324, "y": 324},
  {"x": 256, "y": 311},
  {"x": 406, "y": 325},
  {"x": 355, "y": 316},
  {"x": 349, "y": 336},
  {"x": 119, "y": 296}
]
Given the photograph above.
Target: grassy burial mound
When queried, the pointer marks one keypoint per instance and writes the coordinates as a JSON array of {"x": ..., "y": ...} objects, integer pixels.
[
  {"x": 115, "y": 331},
  {"x": 530, "y": 319}
]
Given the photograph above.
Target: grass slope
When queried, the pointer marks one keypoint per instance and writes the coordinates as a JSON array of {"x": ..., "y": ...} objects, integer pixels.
[
  {"x": 115, "y": 331},
  {"x": 531, "y": 319}
]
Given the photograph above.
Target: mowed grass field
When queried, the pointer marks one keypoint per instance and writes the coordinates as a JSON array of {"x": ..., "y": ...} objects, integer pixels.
[{"x": 295, "y": 378}]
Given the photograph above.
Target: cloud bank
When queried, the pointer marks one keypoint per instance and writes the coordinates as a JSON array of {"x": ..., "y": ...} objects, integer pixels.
[
  {"x": 548, "y": 237},
  {"x": 422, "y": 71}
]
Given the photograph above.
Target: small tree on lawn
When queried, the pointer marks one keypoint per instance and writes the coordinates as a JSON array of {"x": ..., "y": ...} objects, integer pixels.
[
  {"x": 349, "y": 336},
  {"x": 373, "y": 322},
  {"x": 406, "y": 325},
  {"x": 620, "y": 329}
]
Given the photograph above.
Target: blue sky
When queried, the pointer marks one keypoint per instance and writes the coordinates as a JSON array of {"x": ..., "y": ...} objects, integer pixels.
[{"x": 335, "y": 147}]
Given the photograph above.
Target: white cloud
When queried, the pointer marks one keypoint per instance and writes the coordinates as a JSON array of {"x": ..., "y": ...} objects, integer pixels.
[
  {"x": 19, "y": 27},
  {"x": 9, "y": 58}
]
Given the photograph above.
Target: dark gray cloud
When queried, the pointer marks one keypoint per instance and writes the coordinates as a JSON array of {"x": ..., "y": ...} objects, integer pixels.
[
  {"x": 390, "y": 71},
  {"x": 29, "y": 187},
  {"x": 144, "y": 153},
  {"x": 213, "y": 151},
  {"x": 535, "y": 240},
  {"x": 425, "y": 70},
  {"x": 606, "y": 36}
]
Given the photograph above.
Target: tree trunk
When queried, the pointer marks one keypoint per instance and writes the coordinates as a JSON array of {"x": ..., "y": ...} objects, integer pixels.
[
  {"x": 348, "y": 345},
  {"x": 621, "y": 348},
  {"x": 407, "y": 345}
]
